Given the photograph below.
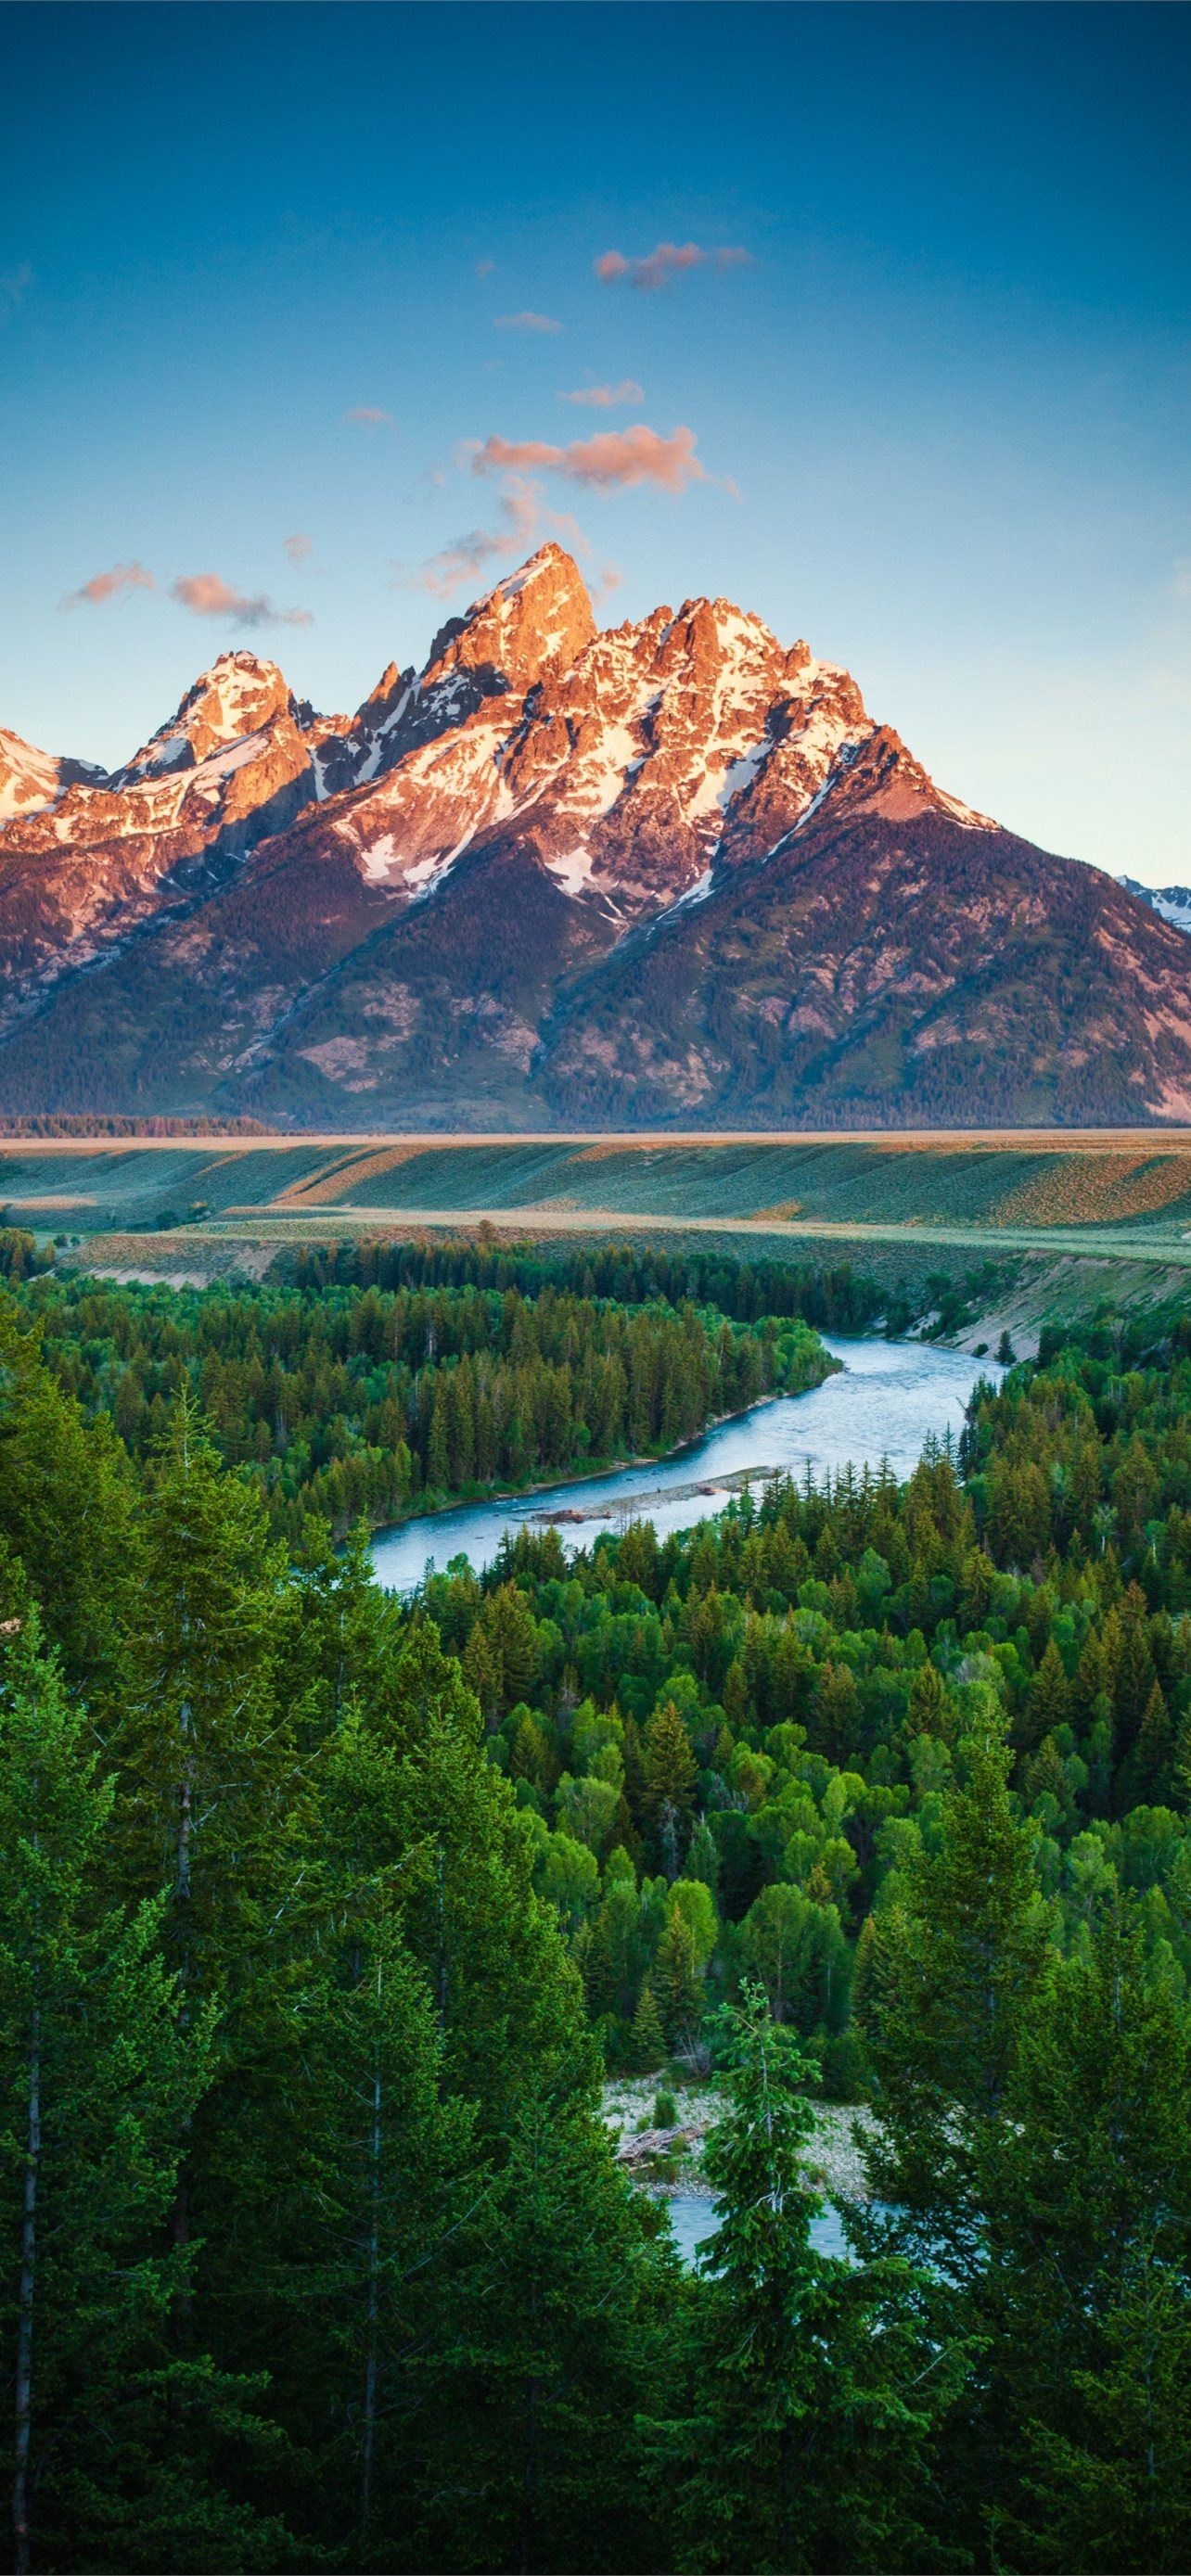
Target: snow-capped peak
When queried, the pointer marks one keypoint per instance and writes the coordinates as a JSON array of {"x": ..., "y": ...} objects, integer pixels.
[{"x": 239, "y": 695}]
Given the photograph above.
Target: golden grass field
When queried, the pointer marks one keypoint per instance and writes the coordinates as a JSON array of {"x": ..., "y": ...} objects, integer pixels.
[{"x": 994, "y": 1189}]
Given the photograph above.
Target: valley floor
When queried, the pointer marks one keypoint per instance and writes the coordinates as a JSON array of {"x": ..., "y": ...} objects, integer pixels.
[{"x": 1034, "y": 1224}]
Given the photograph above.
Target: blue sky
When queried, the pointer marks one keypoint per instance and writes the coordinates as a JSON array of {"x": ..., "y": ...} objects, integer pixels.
[{"x": 938, "y": 398}]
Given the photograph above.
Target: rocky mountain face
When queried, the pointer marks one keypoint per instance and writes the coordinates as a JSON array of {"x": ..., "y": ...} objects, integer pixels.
[{"x": 669, "y": 873}]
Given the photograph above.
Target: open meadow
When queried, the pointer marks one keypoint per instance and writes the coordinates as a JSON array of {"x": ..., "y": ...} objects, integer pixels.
[{"x": 1036, "y": 1223}]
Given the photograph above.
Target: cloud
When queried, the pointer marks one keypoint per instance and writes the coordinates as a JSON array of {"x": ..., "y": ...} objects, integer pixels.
[
  {"x": 207, "y": 596},
  {"x": 612, "y": 460},
  {"x": 667, "y": 261},
  {"x": 104, "y": 585},
  {"x": 526, "y": 322},
  {"x": 523, "y": 516},
  {"x": 297, "y": 548},
  {"x": 467, "y": 557},
  {"x": 367, "y": 416},
  {"x": 485, "y": 268},
  {"x": 605, "y": 397},
  {"x": 14, "y": 286}
]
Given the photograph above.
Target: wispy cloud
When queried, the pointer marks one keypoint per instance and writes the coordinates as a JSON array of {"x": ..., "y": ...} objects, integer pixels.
[
  {"x": 485, "y": 268},
  {"x": 367, "y": 416},
  {"x": 541, "y": 322},
  {"x": 469, "y": 556},
  {"x": 605, "y": 397},
  {"x": 105, "y": 585},
  {"x": 665, "y": 262},
  {"x": 297, "y": 548},
  {"x": 14, "y": 286},
  {"x": 612, "y": 460},
  {"x": 205, "y": 595},
  {"x": 523, "y": 516}
]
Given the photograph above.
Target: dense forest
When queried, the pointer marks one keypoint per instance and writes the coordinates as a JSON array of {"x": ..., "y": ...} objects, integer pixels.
[
  {"x": 321, "y": 1916},
  {"x": 344, "y": 1400}
]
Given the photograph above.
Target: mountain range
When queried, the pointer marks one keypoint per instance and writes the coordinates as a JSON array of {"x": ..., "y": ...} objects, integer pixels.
[{"x": 670, "y": 873}]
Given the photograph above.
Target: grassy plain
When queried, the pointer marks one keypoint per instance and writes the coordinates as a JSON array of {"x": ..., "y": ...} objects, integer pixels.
[{"x": 1049, "y": 1220}]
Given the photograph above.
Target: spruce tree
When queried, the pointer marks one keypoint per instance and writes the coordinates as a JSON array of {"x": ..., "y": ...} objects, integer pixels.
[
  {"x": 807, "y": 2388},
  {"x": 1090, "y": 2273},
  {"x": 671, "y": 1772},
  {"x": 949, "y": 1979},
  {"x": 532, "y": 2446},
  {"x": 647, "y": 2039},
  {"x": 98, "y": 2081},
  {"x": 952, "y": 1964}
]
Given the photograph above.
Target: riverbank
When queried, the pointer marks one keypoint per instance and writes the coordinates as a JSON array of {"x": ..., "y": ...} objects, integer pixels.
[
  {"x": 873, "y": 1410},
  {"x": 469, "y": 1497},
  {"x": 834, "y": 2155}
]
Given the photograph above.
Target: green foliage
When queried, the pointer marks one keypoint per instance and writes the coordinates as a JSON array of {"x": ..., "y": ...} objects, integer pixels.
[
  {"x": 806, "y": 2392},
  {"x": 346, "y": 1400},
  {"x": 318, "y": 1911}
]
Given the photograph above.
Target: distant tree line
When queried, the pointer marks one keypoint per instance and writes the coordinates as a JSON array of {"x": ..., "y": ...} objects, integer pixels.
[{"x": 61, "y": 1122}]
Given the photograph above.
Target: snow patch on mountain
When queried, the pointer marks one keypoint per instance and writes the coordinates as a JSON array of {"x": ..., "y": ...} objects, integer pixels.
[{"x": 1171, "y": 903}]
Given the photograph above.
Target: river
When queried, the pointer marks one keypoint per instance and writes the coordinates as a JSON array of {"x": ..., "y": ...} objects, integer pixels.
[
  {"x": 694, "y": 2220},
  {"x": 883, "y": 1403}
]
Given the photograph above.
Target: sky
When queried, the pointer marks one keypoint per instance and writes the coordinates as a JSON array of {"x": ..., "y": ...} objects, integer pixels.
[{"x": 873, "y": 319}]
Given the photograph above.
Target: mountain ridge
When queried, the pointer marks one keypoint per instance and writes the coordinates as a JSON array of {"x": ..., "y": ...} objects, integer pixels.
[{"x": 671, "y": 869}]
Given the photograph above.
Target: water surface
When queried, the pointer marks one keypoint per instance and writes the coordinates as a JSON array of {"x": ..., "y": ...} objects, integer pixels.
[
  {"x": 694, "y": 2220},
  {"x": 886, "y": 1399}
]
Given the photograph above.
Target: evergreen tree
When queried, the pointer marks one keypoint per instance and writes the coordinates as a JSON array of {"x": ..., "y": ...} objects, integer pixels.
[
  {"x": 98, "y": 2080},
  {"x": 1089, "y": 2298},
  {"x": 647, "y": 2039},
  {"x": 809, "y": 2388},
  {"x": 532, "y": 2452},
  {"x": 952, "y": 1969},
  {"x": 362, "y": 2262},
  {"x": 67, "y": 1506},
  {"x": 671, "y": 1772},
  {"x": 677, "y": 1981},
  {"x": 953, "y": 1961}
]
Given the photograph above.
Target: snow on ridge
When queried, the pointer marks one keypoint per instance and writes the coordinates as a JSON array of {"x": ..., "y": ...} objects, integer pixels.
[{"x": 1171, "y": 903}]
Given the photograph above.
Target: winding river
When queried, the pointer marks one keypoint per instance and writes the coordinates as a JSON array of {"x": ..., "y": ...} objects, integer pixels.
[{"x": 886, "y": 1399}]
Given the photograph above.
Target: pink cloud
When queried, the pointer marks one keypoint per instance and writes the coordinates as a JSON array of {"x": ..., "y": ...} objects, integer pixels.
[
  {"x": 104, "y": 585},
  {"x": 523, "y": 516},
  {"x": 612, "y": 460},
  {"x": 366, "y": 416},
  {"x": 297, "y": 548},
  {"x": 667, "y": 261},
  {"x": 205, "y": 595},
  {"x": 468, "y": 557},
  {"x": 485, "y": 268},
  {"x": 526, "y": 322},
  {"x": 605, "y": 397}
]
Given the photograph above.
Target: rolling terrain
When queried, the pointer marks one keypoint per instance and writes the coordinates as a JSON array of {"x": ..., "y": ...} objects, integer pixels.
[{"x": 1011, "y": 1189}]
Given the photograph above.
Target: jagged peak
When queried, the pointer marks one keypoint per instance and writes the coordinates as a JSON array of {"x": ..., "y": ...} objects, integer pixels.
[
  {"x": 535, "y": 621},
  {"x": 240, "y": 693},
  {"x": 31, "y": 779}
]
